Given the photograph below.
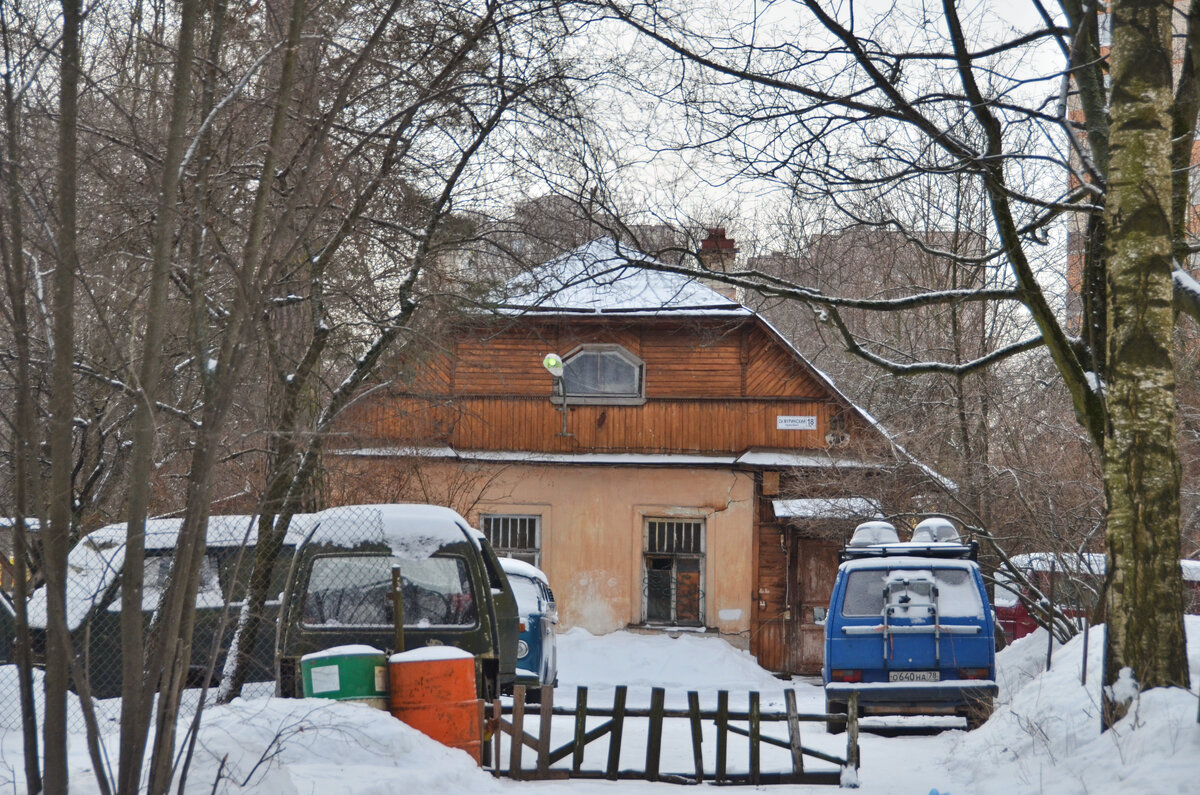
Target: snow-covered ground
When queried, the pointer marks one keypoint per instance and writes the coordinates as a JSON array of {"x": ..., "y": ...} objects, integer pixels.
[{"x": 1043, "y": 738}]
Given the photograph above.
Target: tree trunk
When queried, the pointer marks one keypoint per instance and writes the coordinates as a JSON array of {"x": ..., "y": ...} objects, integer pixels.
[
  {"x": 136, "y": 684},
  {"x": 62, "y": 407},
  {"x": 25, "y": 425},
  {"x": 1141, "y": 464}
]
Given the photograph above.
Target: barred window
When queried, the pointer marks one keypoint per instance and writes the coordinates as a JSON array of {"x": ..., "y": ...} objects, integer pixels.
[
  {"x": 515, "y": 536},
  {"x": 673, "y": 584}
]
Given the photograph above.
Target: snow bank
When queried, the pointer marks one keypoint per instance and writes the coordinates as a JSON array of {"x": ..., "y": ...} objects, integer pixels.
[
  {"x": 1045, "y": 734},
  {"x": 285, "y": 746}
]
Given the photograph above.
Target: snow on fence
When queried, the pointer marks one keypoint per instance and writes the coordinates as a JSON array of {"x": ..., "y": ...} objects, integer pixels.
[{"x": 726, "y": 723}]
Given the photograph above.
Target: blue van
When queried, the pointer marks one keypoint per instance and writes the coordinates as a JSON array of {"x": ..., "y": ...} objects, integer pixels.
[
  {"x": 910, "y": 628},
  {"x": 537, "y": 651}
]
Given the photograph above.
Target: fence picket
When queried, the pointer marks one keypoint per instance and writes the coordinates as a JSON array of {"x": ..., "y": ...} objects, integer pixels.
[
  {"x": 580, "y": 728},
  {"x": 722, "y": 733},
  {"x": 614, "y": 740},
  {"x": 755, "y": 734},
  {"x": 543, "y": 746},
  {"x": 697, "y": 735},
  {"x": 654, "y": 741},
  {"x": 789, "y": 700},
  {"x": 518, "y": 732}
]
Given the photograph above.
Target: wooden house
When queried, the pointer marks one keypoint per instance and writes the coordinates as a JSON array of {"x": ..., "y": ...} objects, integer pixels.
[{"x": 655, "y": 481}]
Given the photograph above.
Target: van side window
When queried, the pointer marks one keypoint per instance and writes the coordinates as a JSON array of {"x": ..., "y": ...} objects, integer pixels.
[
  {"x": 157, "y": 577},
  {"x": 355, "y": 591}
]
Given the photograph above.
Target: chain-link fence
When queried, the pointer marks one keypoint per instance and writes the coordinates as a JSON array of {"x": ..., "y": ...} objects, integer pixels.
[{"x": 372, "y": 575}]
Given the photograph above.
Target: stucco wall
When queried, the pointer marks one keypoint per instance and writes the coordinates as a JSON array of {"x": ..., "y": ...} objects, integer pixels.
[{"x": 592, "y": 527}]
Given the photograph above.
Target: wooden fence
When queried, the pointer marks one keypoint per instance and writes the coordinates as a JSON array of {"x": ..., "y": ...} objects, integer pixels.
[{"x": 726, "y": 722}]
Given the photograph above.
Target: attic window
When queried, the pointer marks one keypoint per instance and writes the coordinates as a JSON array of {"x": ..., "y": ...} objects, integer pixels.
[{"x": 603, "y": 374}]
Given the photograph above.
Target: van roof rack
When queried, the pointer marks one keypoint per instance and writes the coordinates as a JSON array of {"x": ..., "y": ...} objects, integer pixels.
[{"x": 910, "y": 549}]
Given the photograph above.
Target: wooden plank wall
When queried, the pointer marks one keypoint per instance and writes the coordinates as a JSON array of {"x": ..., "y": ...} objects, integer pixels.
[
  {"x": 714, "y": 389},
  {"x": 680, "y": 361},
  {"x": 535, "y": 424}
]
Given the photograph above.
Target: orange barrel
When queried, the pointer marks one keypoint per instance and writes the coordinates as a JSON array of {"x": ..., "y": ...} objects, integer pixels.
[{"x": 433, "y": 690}]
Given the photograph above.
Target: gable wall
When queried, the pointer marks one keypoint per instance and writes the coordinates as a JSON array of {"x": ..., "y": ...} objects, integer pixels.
[{"x": 716, "y": 387}]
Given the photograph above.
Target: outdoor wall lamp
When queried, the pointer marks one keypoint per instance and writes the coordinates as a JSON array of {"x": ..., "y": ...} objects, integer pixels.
[{"x": 554, "y": 365}]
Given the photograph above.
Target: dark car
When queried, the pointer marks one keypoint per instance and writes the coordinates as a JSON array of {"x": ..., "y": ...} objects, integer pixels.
[
  {"x": 537, "y": 650},
  {"x": 93, "y": 607},
  {"x": 910, "y": 629},
  {"x": 397, "y": 577},
  {"x": 8, "y": 629}
]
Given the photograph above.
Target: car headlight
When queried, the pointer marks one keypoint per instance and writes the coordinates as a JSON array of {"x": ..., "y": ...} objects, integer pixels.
[{"x": 522, "y": 649}]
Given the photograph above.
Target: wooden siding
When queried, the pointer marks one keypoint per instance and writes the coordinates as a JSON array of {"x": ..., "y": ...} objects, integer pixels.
[
  {"x": 535, "y": 424},
  {"x": 772, "y": 370},
  {"x": 682, "y": 361}
]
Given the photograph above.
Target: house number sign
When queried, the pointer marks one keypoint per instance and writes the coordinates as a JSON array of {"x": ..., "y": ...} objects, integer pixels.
[{"x": 791, "y": 423}]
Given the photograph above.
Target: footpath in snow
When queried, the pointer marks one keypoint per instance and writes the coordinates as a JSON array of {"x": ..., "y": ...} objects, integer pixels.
[{"x": 1043, "y": 738}]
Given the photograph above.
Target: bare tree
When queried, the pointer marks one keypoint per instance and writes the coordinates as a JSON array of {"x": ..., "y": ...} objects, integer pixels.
[
  {"x": 855, "y": 105},
  {"x": 271, "y": 208}
]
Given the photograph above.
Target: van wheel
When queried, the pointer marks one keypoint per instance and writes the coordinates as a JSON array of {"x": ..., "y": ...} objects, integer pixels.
[{"x": 835, "y": 725}]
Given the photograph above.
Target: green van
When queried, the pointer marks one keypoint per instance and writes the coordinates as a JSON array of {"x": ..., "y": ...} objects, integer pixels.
[{"x": 397, "y": 577}]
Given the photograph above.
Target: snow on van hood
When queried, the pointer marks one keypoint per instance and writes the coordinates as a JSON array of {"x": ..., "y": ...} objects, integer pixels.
[{"x": 411, "y": 531}]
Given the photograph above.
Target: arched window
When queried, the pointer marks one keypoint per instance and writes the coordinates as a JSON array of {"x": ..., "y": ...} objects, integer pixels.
[{"x": 603, "y": 374}]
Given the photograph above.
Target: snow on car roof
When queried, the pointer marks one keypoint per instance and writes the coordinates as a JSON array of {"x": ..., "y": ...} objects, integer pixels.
[
  {"x": 96, "y": 561},
  {"x": 604, "y": 277},
  {"x": 523, "y": 569},
  {"x": 412, "y": 531}
]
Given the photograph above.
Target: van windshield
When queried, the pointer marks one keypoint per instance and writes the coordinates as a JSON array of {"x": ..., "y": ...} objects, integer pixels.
[
  {"x": 356, "y": 591},
  {"x": 527, "y": 593},
  {"x": 957, "y": 596}
]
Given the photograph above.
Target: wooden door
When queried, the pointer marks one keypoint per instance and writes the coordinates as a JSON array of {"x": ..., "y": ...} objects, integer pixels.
[{"x": 811, "y": 571}]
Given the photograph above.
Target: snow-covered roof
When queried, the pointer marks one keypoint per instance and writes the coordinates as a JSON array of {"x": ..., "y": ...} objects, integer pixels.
[
  {"x": 1086, "y": 563},
  {"x": 603, "y": 277},
  {"x": 754, "y": 458},
  {"x": 828, "y": 508},
  {"x": 523, "y": 569}
]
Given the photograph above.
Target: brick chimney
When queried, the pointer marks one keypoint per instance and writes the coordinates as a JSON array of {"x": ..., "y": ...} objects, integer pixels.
[{"x": 717, "y": 253}]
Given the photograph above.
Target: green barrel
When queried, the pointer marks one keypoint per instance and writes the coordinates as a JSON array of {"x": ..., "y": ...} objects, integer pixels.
[{"x": 346, "y": 673}]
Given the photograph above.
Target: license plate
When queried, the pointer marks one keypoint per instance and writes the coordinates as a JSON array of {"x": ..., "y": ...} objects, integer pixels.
[{"x": 913, "y": 676}]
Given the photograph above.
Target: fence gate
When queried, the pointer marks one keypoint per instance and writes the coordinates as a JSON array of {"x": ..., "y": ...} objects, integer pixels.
[{"x": 747, "y": 724}]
